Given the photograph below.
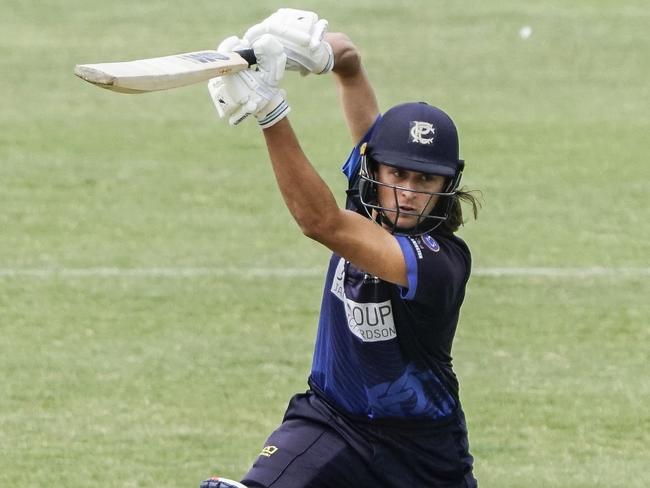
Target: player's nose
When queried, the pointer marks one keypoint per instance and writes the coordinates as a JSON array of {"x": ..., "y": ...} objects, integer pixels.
[{"x": 409, "y": 185}]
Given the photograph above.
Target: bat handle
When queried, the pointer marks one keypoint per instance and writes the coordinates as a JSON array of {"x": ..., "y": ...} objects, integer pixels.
[{"x": 248, "y": 55}]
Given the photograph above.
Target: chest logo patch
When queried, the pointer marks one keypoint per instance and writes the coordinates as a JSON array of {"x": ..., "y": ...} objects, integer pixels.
[{"x": 431, "y": 243}]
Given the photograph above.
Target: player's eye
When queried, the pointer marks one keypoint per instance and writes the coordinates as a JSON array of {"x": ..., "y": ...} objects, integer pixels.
[{"x": 426, "y": 178}]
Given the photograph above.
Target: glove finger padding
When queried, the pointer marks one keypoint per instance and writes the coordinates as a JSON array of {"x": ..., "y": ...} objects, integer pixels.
[
  {"x": 238, "y": 95},
  {"x": 301, "y": 34},
  {"x": 292, "y": 24},
  {"x": 232, "y": 97},
  {"x": 271, "y": 59},
  {"x": 233, "y": 43}
]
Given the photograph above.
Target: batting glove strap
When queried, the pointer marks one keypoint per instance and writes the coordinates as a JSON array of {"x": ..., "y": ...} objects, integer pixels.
[{"x": 276, "y": 110}]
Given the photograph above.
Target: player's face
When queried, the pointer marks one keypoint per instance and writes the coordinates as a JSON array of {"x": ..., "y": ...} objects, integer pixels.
[{"x": 410, "y": 199}]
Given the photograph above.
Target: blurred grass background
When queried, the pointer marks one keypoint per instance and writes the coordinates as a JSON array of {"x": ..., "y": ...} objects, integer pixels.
[{"x": 133, "y": 380}]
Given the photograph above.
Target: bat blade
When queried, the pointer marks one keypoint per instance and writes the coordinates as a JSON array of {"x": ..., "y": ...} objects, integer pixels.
[{"x": 163, "y": 73}]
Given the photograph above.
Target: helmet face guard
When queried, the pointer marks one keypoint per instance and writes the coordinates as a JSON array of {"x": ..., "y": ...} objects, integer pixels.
[
  {"x": 412, "y": 137},
  {"x": 389, "y": 217}
]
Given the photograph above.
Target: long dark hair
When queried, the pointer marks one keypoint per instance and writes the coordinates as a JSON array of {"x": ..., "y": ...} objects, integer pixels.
[{"x": 455, "y": 219}]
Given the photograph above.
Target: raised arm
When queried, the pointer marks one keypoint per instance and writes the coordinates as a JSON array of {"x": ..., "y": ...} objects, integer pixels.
[
  {"x": 310, "y": 201},
  {"x": 356, "y": 94},
  {"x": 352, "y": 236}
]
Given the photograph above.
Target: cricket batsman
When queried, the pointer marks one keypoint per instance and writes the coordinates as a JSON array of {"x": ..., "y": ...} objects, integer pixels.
[{"x": 382, "y": 409}]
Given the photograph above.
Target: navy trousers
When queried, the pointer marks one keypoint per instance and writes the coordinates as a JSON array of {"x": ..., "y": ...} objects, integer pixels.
[{"x": 317, "y": 447}]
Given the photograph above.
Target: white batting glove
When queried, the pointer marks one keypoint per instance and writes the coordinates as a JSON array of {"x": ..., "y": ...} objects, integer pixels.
[
  {"x": 233, "y": 43},
  {"x": 301, "y": 33},
  {"x": 249, "y": 92}
]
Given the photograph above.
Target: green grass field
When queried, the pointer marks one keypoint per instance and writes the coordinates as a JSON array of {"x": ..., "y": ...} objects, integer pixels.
[{"x": 146, "y": 339}]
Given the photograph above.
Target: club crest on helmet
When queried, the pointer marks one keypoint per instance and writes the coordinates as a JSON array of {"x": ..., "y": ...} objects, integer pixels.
[{"x": 420, "y": 130}]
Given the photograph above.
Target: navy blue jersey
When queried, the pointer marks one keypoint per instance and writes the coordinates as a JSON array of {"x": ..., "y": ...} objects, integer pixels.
[{"x": 384, "y": 351}]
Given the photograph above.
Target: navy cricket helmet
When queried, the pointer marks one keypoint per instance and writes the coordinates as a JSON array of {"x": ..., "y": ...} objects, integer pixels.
[{"x": 415, "y": 137}]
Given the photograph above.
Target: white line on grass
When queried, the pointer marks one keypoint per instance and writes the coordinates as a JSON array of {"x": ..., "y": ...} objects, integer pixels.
[
  {"x": 170, "y": 272},
  {"x": 246, "y": 272},
  {"x": 571, "y": 272}
]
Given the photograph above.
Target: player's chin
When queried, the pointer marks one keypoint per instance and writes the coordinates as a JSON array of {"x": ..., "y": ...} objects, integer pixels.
[{"x": 404, "y": 221}]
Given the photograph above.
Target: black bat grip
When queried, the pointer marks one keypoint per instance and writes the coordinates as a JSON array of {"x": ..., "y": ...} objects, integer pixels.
[{"x": 248, "y": 55}]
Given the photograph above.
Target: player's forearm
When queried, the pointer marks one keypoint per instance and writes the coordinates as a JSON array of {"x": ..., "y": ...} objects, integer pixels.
[
  {"x": 356, "y": 94},
  {"x": 305, "y": 193}
]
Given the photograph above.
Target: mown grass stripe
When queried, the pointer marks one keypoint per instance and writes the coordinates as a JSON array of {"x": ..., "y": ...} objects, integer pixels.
[{"x": 245, "y": 272}]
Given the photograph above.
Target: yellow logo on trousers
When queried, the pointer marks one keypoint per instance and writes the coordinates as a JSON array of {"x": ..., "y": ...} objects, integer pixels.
[{"x": 269, "y": 451}]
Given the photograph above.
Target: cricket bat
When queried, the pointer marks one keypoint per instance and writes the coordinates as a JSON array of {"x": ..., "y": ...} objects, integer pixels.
[{"x": 163, "y": 73}]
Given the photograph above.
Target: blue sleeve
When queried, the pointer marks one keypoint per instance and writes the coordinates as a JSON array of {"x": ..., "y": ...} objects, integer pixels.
[
  {"x": 411, "y": 268},
  {"x": 437, "y": 270},
  {"x": 351, "y": 166}
]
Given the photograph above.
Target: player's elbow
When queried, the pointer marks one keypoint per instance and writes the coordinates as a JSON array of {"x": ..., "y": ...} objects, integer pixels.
[
  {"x": 314, "y": 230},
  {"x": 319, "y": 228},
  {"x": 347, "y": 60}
]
